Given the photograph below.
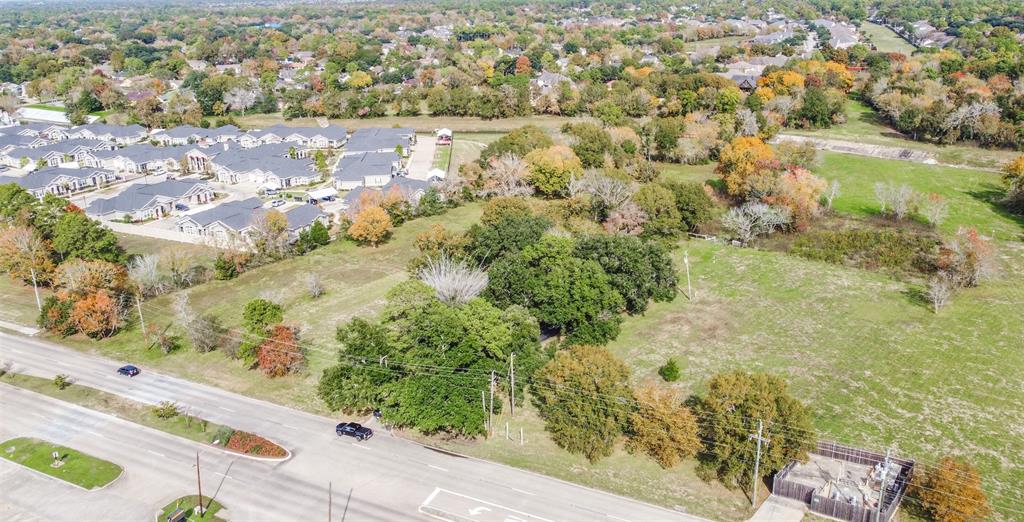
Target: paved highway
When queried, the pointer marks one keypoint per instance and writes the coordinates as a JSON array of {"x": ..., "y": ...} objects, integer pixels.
[{"x": 385, "y": 478}]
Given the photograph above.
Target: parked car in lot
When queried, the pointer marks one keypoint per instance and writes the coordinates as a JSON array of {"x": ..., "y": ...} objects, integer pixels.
[
  {"x": 353, "y": 429},
  {"x": 271, "y": 192},
  {"x": 180, "y": 207},
  {"x": 277, "y": 203},
  {"x": 129, "y": 370}
]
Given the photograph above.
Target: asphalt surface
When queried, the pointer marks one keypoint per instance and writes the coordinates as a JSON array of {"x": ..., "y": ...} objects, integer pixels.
[{"x": 384, "y": 478}]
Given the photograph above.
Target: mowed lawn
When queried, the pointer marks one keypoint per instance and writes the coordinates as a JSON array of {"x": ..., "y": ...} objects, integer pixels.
[
  {"x": 356, "y": 278},
  {"x": 83, "y": 470},
  {"x": 886, "y": 40},
  {"x": 876, "y": 365},
  {"x": 863, "y": 125}
]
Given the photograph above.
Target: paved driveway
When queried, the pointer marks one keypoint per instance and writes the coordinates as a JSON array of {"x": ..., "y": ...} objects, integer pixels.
[{"x": 422, "y": 158}]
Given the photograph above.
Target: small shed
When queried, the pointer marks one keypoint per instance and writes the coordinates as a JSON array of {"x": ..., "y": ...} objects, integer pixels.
[
  {"x": 444, "y": 136},
  {"x": 323, "y": 194}
]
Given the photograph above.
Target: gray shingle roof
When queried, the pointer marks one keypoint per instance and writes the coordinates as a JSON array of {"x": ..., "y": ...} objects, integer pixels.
[
  {"x": 356, "y": 166},
  {"x": 117, "y": 131},
  {"x": 302, "y": 216},
  {"x": 43, "y": 177},
  {"x": 379, "y": 138},
  {"x": 139, "y": 196},
  {"x": 331, "y": 132},
  {"x": 236, "y": 215}
]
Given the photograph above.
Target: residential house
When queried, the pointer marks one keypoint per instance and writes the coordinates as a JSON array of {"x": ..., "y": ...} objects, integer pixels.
[
  {"x": 366, "y": 169},
  {"x": 146, "y": 158},
  {"x": 235, "y": 219},
  {"x": 54, "y": 154},
  {"x": 187, "y": 134},
  {"x": 547, "y": 82},
  {"x": 380, "y": 139},
  {"x": 842, "y": 35},
  {"x": 264, "y": 166},
  {"x": 9, "y": 142},
  {"x": 411, "y": 189},
  {"x": 140, "y": 201},
  {"x": 331, "y": 136},
  {"x": 119, "y": 134},
  {"x": 61, "y": 182}
]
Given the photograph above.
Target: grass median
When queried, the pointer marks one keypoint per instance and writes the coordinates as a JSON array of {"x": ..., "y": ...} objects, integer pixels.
[
  {"x": 188, "y": 504},
  {"x": 179, "y": 423},
  {"x": 71, "y": 465}
]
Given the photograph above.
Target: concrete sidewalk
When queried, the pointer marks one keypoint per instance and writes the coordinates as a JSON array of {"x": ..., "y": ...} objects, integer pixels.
[{"x": 778, "y": 509}]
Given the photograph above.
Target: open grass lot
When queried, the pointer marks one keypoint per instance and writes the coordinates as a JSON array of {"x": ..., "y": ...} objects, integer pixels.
[
  {"x": 723, "y": 42},
  {"x": 19, "y": 302},
  {"x": 116, "y": 405},
  {"x": 633, "y": 476},
  {"x": 886, "y": 40},
  {"x": 863, "y": 125},
  {"x": 79, "y": 469},
  {"x": 878, "y": 367},
  {"x": 188, "y": 503},
  {"x": 356, "y": 280},
  {"x": 417, "y": 123}
]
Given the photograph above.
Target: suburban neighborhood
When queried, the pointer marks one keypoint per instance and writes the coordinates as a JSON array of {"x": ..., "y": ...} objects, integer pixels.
[{"x": 516, "y": 261}]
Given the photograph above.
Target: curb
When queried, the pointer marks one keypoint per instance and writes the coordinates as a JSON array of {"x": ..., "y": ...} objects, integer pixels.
[
  {"x": 255, "y": 457},
  {"x": 58, "y": 479}
]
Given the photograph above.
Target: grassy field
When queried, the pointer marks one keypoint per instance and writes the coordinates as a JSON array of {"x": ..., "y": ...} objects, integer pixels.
[
  {"x": 417, "y": 123},
  {"x": 864, "y": 126},
  {"x": 109, "y": 403},
  {"x": 443, "y": 157},
  {"x": 723, "y": 42},
  {"x": 877, "y": 366},
  {"x": 356, "y": 280},
  {"x": 188, "y": 503},
  {"x": 78, "y": 468},
  {"x": 886, "y": 40}
]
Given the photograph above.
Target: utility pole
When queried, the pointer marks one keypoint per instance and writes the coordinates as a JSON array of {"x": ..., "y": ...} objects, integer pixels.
[
  {"x": 512, "y": 382},
  {"x": 39, "y": 304},
  {"x": 757, "y": 460},
  {"x": 330, "y": 501},
  {"x": 881, "y": 487},
  {"x": 686, "y": 261},
  {"x": 483, "y": 403},
  {"x": 490, "y": 414},
  {"x": 138, "y": 306},
  {"x": 199, "y": 485}
]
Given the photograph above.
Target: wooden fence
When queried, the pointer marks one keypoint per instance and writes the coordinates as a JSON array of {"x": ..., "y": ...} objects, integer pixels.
[{"x": 893, "y": 494}]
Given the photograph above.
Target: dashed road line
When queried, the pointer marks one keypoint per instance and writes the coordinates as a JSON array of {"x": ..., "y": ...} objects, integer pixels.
[
  {"x": 437, "y": 467},
  {"x": 157, "y": 453},
  {"x": 227, "y": 409},
  {"x": 363, "y": 446}
]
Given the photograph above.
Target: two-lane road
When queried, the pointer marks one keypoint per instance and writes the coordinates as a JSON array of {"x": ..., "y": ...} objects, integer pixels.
[{"x": 385, "y": 478}]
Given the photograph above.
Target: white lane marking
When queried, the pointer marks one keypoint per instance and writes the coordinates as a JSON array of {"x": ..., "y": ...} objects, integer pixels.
[
  {"x": 523, "y": 491},
  {"x": 437, "y": 467},
  {"x": 226, "y": 409},
  {"x": 62, "y": 363},
  {"x": 360, "y": 445},
  {"x": 15, "y": 350},
  {"x": 157, "y": 453},
  {"x": 618, "y": 518},
  {"x": 100, "y": 435},
  {"x": 224, "y": 475},
  {"x": 499, "y": 506},
  {"x": 289, "y": 426}
]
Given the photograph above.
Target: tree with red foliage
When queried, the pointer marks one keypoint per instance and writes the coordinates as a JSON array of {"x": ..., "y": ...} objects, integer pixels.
[
  {"x": 96, "y": 315},
  {"x": 523, "y": 65},
  {"x": 280, "y": 353}
]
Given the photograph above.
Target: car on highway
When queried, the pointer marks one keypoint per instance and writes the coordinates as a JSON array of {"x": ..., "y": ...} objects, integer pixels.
[
  {"x": 353, "y": 429},
  {"x": 129, "y": 370}
]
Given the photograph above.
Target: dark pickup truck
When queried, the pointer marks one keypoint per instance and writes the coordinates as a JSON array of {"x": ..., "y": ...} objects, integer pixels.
[{"x": 353, "y": 429}]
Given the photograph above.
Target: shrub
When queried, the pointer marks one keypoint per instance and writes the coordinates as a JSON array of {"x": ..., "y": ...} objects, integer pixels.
[
  {"x": 869, "y": 248},
  {"x": 669, "y": 371},
  {"x": 222, "y": 436},
  {"x": 166, "y": 410},
  {"x": 249, "y": 444},
  {"x": 224, "y": 268},
  {"x": 62, "y": 381}
]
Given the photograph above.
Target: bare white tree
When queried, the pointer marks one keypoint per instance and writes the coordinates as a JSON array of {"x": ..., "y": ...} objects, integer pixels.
[
  {"x": 939, "y": 290},
  {"x": 610, "y": 191},
  {"x": 895, "y": 200},
  {"x": 746, "y": 122},
  {"x": 831, "y": 194},
  {"x": 274, "y": 295},
  {"x": 755, "y": 219},
  {"x": 240, "y": 98},
  {"x": 507, "y": 176},
  {"x": 628, "y": 219},
  {"x": 314, "y": 285},
  {"x": 180, "y": 264},
  {"x": 144, "y": 271},
  {"x": 204, "y": 331},
  {"x": 454, "y": 281},
  {"x": 969, "y": 116},
  {"x": 933, "y": 208}
]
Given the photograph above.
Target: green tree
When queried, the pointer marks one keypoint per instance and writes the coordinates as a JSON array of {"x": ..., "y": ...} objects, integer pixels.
[
  {"x": 659, "y": 203},
  {"x": 694, "y": 204},
  {"x": 519, "y": 142},
  {"x": 669, "y": 371},
  {"x": 729, "y": 412},
  {"x": 551, "y": 169},
  {"x": 591, "y": 144},
  {"x": 16, "y": 204},
  {"x": 257, "y": 318},
  {"x": 506, "y": 234},
  {"x": 583, "y": 394},
  {"x": 320, "y": 161},
  {"x": 224, "y": 268},
  {"x": 75, "y": 235},
  {"x": 639, "y": 270},
  {"x": 565, "y": 293}
]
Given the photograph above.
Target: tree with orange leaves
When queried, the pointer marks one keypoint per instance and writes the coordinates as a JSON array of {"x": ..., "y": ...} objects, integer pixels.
[
  {"x": 23, "y": 251},
  {"x": 96, "y": 315},
  {"x": 281, "y": 354},
  {"x": 523, "y": 65},
  {"x": 741, "y": 161},
  {"x": 371, "y": 225},
  {"x": 950, "y": 492}
]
